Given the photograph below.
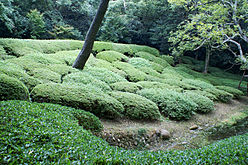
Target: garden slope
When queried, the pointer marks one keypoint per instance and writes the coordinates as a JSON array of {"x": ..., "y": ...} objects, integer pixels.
[{"x": 119, "y": 80}]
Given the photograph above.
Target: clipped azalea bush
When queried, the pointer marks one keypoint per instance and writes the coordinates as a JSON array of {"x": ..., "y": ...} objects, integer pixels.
[
  {"x": 45, "y": 75},
  {"x": 137, "y": 107},
  {"x": 152, "y": 58},
  {"x": 174, "y": 104},
  {"x": 153, "y": 84},
  {"x": 130, "y": 87},
  {"x": 17, "y": 72},
  {"x": 206, "y": 94},
  {"x": 221, "y": 95},
  {"x": 85, "y": 78},
  {"x": 204, "y": 104},
  {"x": 81, "y": 96},
  {"x": 104, "y": 75},
  {"x": 112, "y": 56},
  {"x": 12, "y": 89},
  {"x": 169, "y": 59},
  {"x": 235, "y": 92},
  {"x": 100, "y": 46},
  {"x": 133, "y": 74},
  {"x": 151, "y": 72},
  {"x": 66, "y": 57}
]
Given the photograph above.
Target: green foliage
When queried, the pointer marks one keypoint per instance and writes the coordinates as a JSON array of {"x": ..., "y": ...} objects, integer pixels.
[
  {"x": 17, "y": 72},
  {"x": 221, "y": 95},
  {"x": 126, "y": 87},
  {"x": 87, "y": 120},
  {"x": 87, "y": 79},
  {"x": 175, "y": 105},
  {"x": 206, "y": 94},
  {"x": 149, "y": 84},
  {"x": 12, "y": 89},
  {"x": 112, "y": 56},
  {"x": 19, "y": 47},
  {"x": 133, "y": 74},
  {"x": 45, "y": 75},
  {"x": 104, "y": 75},
  {"x": 79, "y": 96},
  {"x": 204, "y": 104},
  {"x": 169, "y": 59},
  {"x": 36, "y": 24},
  {"x": 235, "y": 92},
  {"x": 152, "y": 58},
  {"x": 66, "y": 57},
  {"x": 137, "y": 107},
  {"x": 43, "y": 133},
  {"x": 102, "y": 46}
]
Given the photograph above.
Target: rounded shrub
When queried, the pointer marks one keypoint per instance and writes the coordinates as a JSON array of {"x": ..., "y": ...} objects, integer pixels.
[
  {"x": 141, "y": 62},
  {"x": 235, "y": 92},
  {"x": 112, "y": 56},
  {"x": 45, "y": 75},
  {"x": 150, "y": 84},
  {"x": 142, "y": 48},
  {"x": 152, "y": 58},
  {"x": 85, "y": 78},
  {"x": 16, "y": 71},
  {"x": 100, "y": 46},
  {"x": 169, "y": 59},
  {"x": 104, "y": 75},
  {"x": 130, "y": 87},
  {"x": 151, "y": 72},
  {"x": 175, "y": 105},
  {"x": 137, "y": 107},
  {"x": 198, "y": 83},
  {"x": 12, "y": 89},
  {"x": 133, "y": 74},
  {"x": 61, "y": 69},
  {"x": 206, "y": 94},
  {"x": 84, "y": 97},
  {"x": 204, "y": 104},
  {"x": 221, "y": 95}
]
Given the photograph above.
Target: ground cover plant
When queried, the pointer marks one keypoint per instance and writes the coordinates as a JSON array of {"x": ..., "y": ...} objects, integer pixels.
[{"x": 50, "y": 134}]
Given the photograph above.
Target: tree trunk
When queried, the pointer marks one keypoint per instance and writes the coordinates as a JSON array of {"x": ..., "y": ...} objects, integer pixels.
[
  {"x": 91, "y": 35},
  {"x": 208, "y": 51}
]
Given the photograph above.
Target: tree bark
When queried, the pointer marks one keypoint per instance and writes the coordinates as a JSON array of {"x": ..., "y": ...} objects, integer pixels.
[
  {"x": 91, "y": 35},
  {"x": 208, "y": 51}
]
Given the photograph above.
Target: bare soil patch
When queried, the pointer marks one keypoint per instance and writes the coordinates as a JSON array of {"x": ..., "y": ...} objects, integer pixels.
[{"x": 143, "y": 134}]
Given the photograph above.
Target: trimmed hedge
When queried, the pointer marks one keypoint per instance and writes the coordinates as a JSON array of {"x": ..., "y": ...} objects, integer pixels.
[
  {"x": 85, "y": 78},
  {"x": 83, "y": 97},
  {"x": 235, "y": 92},
  {"x": 169, "y": 59},
  {"x": 17, "y": 72},
  {"x": 45, "y": 75},
  {"x": 12, "y": 89},
  {"x": 149, "y": 84},
  {"x": 104, "y": 75},
  {"x": 175, "y": 105},
  {"x": 37, "y": 134},
  {"x": 152, "y": 58},
  {"x": 204, "y": 104},
  {"x": 112, "y": 56},
  {"x": 137, "y": 107},
  {"x": 221, "y": 95},
  {"x": 133, "y": 74},
  {"x": 126, "y": 87}
]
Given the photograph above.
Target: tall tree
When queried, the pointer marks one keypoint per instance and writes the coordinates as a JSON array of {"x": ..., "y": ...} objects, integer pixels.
[
  {"x": 91, "y": 35},
  {"x": 213, "y": 25}
]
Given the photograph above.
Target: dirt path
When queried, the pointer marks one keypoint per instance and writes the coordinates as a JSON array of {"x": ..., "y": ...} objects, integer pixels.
[{"x": 132, "y": 134}]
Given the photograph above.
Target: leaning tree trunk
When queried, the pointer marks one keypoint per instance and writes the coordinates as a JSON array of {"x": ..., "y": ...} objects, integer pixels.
[
  {"x": 91, "y": 35},
  {"x": 208, "y": 51}
]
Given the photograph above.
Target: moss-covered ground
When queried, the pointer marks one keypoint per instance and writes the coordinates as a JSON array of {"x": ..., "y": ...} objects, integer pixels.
[{"x": 120, "y": 82}]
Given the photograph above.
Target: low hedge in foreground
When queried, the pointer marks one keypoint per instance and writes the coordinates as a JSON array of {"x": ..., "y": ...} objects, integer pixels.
[
  {"x": 81, "y": 96},
  {"x": 11, "y": 88},
  {"x": 38, "y": 135},
  {"x": 137, "y": 107}
]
